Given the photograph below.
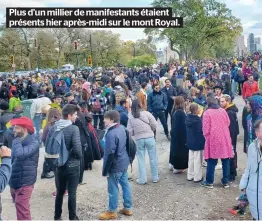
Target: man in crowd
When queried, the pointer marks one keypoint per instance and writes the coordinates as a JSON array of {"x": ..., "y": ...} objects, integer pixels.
[
  {"x": 57, "y": 100},
  {"x": 157, "y": 105},
  {"x": 231, "y": 109},
  {"x": 25, "y": 155},
  {"x": 142, "y": 95},
  {"x": 122, "y": 109},
  {"x": 249, "y": 87},
  {"x": 170, "y": 92},
  {"x": 69, "y": 173},
  {"x": 115, "y": 166}
]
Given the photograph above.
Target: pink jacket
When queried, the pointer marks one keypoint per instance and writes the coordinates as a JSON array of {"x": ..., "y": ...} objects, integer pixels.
[{"x": 216, "y": 132}]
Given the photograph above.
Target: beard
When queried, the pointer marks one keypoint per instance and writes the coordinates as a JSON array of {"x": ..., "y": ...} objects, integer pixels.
[{"x": 19, "y": 134}]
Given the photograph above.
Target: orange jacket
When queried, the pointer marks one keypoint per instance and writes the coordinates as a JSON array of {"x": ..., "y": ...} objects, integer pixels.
[
  {"x": 142, "y": 98},
  {"x": 248, "y": 90}
]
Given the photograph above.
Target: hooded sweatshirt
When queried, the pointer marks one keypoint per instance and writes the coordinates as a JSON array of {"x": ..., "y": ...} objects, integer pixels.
[
  {"x": 13, "y": 103},
  {"x": 232, "y": 111},
  {"x": 195, "y": 138}
]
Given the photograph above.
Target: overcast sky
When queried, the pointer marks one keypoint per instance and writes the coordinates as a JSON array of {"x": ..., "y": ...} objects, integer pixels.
[{"x": 249, "y": 11}]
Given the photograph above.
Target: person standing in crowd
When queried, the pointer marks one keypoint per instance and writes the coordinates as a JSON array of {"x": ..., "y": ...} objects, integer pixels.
[
  {"x": 142, "y": 96},
  {"x": 5, "y": 117},
  {"x": 5, "y": 171},
  {"x": 115, "y": 166},
  {"x": 57, "y": 100},
  {"x": 178, "y": 158},
  {"x": 170, "y": 92},
  {"x": 36, "y": 111},
  {"x": 231, "y": 109},
  {"x": 25, "y": 155},
  {"x": 14, "y": 101},
  {"x": 122, "y": 109},
  {"x": 249, "y": 87},
  {"x": 157, "y": 103},
  {"x": 142, "y": 125},
  {"x": 70, "y": 98},
  {"x": 49, "y": 161},
  {"x": 69, "y": 173},
  {"x": 218, "y": 142},
  {"x": 195, "y": 143},
  {"x": 245, "y": 114},
  {"x": 98, "y": 107},
  {"x": 251, "y": 181}
]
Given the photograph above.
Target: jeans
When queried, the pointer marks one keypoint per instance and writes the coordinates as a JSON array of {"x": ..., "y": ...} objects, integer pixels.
[
  {"x": 101, "y": 121},
  {"x": 148, "y": 144},
  {"x": 240, "y": 86},
  {"x": 113, "y": 191},
  {"x": 161, "y": 116},
  {"x": 168, "y": 111},
  {"x": 82, "y": 166},
  {"x": 49, "y": 165},
  {"x": 22, "y": 197},
  {"x": 211, "y": 164},
  {"x": 38, "y": 124},
  {"x": 66, "y": 175}
]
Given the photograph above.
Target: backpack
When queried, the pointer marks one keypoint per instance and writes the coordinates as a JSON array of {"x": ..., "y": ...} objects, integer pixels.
[
  {"x": 97, "y": 107},
  {"x": 56, "y": 145},
  {"x": 130, "y": 148}
]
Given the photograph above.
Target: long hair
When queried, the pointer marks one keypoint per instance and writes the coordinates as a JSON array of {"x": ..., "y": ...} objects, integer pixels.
[
  {"x": 136, "y": 108},
  {"x": 53, "y": 115}
]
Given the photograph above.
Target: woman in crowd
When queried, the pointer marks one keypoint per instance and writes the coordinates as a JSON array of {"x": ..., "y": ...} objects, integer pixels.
[
  {"x": 142, "y": 125},
  {"x": 178, "y": 158}
]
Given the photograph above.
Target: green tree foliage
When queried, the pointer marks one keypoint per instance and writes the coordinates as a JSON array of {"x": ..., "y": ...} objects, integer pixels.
[
  {"x": 207, "y": 25},
  {"x": 55, "y": 47},
  {"x": 142, "y": 60}
]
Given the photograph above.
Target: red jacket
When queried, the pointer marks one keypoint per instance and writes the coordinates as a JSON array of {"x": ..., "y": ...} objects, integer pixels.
[{"x": 248, "y": 90}]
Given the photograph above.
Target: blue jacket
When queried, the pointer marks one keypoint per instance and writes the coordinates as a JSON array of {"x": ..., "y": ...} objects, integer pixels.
[
  {"x": 123, "y": 115},
  {"x": 252, "y": 180},
  {"x": 115, "y": 157},
  {"x": 157, "y": 101},
  {"x": 195, "y": 138},
  {"x": 25, "y": 155},
  {"x": 201, "y": 100}
]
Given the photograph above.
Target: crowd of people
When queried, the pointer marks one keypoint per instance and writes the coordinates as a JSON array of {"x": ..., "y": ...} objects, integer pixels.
[{"x": 80, "y": 117}]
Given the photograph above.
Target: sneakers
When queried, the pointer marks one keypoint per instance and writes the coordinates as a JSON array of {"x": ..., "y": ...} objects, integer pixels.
[
  {"x": 126, "y": 212},
  {"x": 236, "y": 212},
  {"x": 168, "y": 137},
  {"x": 155, "y": 181},
  {"x": 47, "y": 175},
  {"x": 225, "y": 185},
  {"x": 107, "y": 215},
  {"x": 207, "y": 185},
  {"x": 65, "y": 194},
  {"x": 171, "y": 167},
  {"x": 138, "y": 182}
]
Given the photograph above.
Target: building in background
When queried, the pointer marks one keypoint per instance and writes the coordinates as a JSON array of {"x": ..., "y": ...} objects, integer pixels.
[
  {"x": 240, "y": 48},
  {"x": 251, "y": 43},
  {"x": 258, "y": 44}
]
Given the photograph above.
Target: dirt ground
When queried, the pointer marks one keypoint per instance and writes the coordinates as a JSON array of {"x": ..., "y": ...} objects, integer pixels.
[{"x": 172, "y": 198}]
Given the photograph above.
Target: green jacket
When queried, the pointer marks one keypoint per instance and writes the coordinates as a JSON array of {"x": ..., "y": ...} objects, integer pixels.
[{"x": 14, "y": 102}]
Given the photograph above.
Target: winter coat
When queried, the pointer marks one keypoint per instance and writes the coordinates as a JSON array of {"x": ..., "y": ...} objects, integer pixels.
[
  {"x": 25, "y": 155},
  {"x": 233, "y": 127},
  {"x": 218, "y": 143},
  {"x": 142, "y": 127},
  {"x": 178, "y": 150},
  {"x": 252, "y": 180},
  {"x": 13, "y": 103},
  {"x": 248, "y": 90},
  {"x": 195, "y": 138},
  {"x": 123, "y": 115},
  {"x": 116, "y": 158},
  {"x": 157, "y": 101}
]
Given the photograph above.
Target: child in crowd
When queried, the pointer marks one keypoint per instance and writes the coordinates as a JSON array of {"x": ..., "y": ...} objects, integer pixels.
[{"x": 195, "y": 144}]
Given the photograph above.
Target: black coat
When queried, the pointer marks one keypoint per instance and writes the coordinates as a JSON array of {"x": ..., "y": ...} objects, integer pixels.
[
  {"x": 178, "y": 149},
  {"x": 233, "y": 127},
  {"x": 245, "y": 113},
  {"x": 195, "y": 138},
  {"x": 171, "y": 92}
]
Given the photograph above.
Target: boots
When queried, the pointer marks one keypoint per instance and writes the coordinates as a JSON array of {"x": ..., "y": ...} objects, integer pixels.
[{"x": 107, "y": 215}]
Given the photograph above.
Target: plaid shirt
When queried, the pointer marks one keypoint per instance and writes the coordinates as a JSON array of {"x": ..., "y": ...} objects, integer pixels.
[{"x": 102, "y": 100}]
